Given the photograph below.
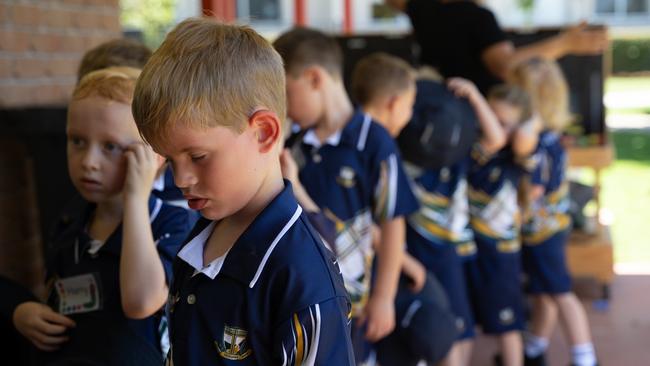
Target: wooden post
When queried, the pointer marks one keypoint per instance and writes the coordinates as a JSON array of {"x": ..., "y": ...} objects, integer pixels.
[
  {"x": 299, "y": 13},
  {"x": 225, "y": 10}
]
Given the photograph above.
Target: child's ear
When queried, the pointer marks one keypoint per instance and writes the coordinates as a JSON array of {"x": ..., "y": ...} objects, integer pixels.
[
  {"x": 314, "y": 75},
  {"x": 391, "y": 102},
  {"x": 267, "y": 129}
]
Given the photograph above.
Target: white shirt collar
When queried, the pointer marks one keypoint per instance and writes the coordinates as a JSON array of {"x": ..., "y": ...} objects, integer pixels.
[
  {"x": 159, "y": 183},
  {"x": 310, "y": 138},
  {"x": 192, "y": 254}
]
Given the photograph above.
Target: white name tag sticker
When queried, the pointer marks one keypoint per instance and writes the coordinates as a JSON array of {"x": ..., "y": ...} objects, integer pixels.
[{"x": 78, "y": 294}]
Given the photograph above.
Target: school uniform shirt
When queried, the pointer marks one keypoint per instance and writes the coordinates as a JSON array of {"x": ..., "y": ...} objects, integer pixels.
[
  {"x": 355, "y": 177},
  {"x": 443, "y": 217},
  {"x": 84, "y": 284},
  {"x": 275, "y": 298},
  {"x": 549, "y": 214},
  {"x": 493, "y": 189}
]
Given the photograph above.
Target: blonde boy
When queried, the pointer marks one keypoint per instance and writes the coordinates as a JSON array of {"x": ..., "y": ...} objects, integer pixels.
[
  {"x": 107, "y": 273},
  {"x": 253, "y": 282}
]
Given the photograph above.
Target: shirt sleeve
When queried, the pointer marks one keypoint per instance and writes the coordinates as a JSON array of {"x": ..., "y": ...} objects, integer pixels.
[
  {"x": 170, "y": 230},
  {"x": 487, "y": 31},
  {"x": 393, "y": 196},
  {"x": 317, "y": 335},
  {"x": 13, "y": 294}
]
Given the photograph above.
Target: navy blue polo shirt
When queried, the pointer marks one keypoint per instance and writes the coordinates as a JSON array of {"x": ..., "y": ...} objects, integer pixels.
[
  {"x": 493, "y": 182},
  {"x": 356, "y": 178},
  {"x": 275, "y": 298},
  {"x": 83, "y": 283},
  {"x": 443, "y": 217},
  {"x": 550, "y": 213}
]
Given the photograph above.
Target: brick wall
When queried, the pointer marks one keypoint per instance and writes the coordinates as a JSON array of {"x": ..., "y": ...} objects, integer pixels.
[{"x": 41, "y": 43}]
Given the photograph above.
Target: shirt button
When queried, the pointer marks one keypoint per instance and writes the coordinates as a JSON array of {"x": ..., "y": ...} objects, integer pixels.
[
  {"x": 317, "y": 158},
  {"x": 191, "y": 299}
]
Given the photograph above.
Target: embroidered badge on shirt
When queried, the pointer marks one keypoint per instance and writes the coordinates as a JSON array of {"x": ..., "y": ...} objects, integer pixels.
[
  {"x": 346, "y": 177},
  {"x": 78, "y": 294},
  {"x": 234, "y": 345}
]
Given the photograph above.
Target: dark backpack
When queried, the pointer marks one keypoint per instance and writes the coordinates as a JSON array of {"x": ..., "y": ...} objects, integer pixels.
[{"x": 442, "y": 130}]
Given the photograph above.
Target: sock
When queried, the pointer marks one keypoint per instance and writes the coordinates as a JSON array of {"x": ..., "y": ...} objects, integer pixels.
[
  {"x": 584, "y": 354},
  {"x": 534, "y": 346}
]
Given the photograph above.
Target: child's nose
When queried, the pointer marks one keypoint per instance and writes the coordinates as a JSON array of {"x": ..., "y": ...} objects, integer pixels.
[
  {"x": 91, "y": 159},
  {"x": 183, "y": 177}
]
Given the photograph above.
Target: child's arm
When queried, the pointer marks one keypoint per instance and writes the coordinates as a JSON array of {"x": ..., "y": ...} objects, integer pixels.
[
  {"x": 526, "y": 136},
  {"x": 290, "y": 172},
  {"x": 493, "y": 136},
  {"x": 142, "y": 277},
  {"x": 380, "y": 310},
  {"x": 411, "y": 267}
]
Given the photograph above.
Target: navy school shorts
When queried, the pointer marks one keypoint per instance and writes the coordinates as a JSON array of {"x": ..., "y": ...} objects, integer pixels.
[
  {"x": 441, "y": 260},
  {"x": 494, "y": 283},
  {"x": 545, "y": 266}
]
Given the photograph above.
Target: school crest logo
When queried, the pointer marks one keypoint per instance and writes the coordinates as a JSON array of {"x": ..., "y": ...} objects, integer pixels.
[
  {"x": 234, "y": 345},
  {"x": 346, "y": 177}
]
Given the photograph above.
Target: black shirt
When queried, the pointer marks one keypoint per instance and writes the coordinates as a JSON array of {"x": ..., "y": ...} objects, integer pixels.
[{"x": 453, "y": 36}]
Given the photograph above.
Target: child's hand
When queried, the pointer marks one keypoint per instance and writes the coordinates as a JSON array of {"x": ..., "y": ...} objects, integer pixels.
[
  {"x": 41, "y": 325},
  {"x": 142, "y": 165},
  {"x": 379, "y": 315},
  {"x": 463, "y": 88},
  {"x": 416, "y": 272},
  {"x": 289, "y": 166}
]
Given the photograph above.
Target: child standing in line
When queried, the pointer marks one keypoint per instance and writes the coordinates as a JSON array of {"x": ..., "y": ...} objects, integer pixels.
[
  {"x": 350, "y": 168},
  {"x": 494, "y": 275},
  {"x": 546, "y": 232},
  {"x": 253, "y": 283}
]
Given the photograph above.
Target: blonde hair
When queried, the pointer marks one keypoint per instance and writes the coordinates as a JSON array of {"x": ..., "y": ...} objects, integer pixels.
[
  {"x": 113, "y": 83},
  {"x": 515, "y": 96},
  {"x": 380, "y": 75},
  {"x": 208, "y": 74},
  {"x": 548, "y": 90},
  {"x": 304, "y": 47}
]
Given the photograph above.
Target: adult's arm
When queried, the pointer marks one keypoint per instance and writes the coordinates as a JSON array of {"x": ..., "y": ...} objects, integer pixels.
[{"x": 501, "y": 57}]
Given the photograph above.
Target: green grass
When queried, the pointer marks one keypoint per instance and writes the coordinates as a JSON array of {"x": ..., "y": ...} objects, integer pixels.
[
  {"x": 626, "y": 194},
  {"x": 621, "y": 83}
]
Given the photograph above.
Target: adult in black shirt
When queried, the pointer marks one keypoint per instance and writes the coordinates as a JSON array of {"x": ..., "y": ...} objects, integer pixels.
[{"x": 461, "y": 38}]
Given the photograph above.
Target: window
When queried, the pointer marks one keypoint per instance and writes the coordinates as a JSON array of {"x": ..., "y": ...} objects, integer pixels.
[{"x": 259, "y": 10}]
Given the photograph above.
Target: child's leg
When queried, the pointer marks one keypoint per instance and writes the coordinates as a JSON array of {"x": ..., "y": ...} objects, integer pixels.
[
  {"x": 544, "y": 318},
  {"x": 576, "y": 325},
  {"x": 454, "y": 357},
  {"x": 512, "y": 348},
  {"x": 465, "y": 347}
]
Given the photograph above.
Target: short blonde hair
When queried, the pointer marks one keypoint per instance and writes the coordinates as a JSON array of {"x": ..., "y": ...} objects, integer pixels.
[
  {"x": 544, "y": 81},
  {"x": 380, "y": 75},
  {"x": 208, "y": 74},
  {"x": 113, "y": 83}
]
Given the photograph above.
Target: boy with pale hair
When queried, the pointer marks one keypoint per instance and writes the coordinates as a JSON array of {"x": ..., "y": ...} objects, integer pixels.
[
  {"x": 253, "y": 282},
  {"x": 109, "y": 258}
]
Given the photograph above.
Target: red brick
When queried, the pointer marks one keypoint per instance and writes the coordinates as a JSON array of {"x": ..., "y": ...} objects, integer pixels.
[
  {"x": 25, "y": 14},
  {"x": 5, "y": 68},
  {"x": 62, "y": 67},
  {"x": 29, "y": 68},
  {"x": 87, "y": 20},
  {"x": 43, "y": 42},
  {"x": 4, "y": 13},
  {"x": 111, "y": 22},
  {"x": 14, "y": 41},
  {"x": 16, "y": 96},
  {"x": 73, "y": 43},
  {"x": 57, "y": 18}
]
